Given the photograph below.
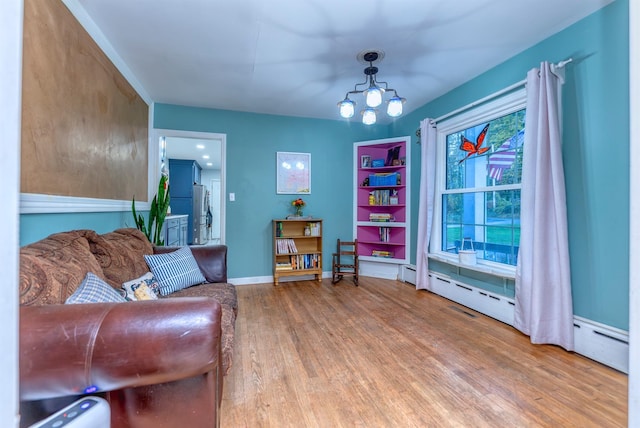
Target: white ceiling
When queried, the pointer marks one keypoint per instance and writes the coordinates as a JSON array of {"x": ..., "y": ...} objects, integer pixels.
[
  {"x": 207, "y": 152},
  {"x": 298, "y": 57}
]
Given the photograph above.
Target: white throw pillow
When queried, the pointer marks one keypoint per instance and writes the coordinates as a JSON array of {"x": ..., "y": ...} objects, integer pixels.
[{"x": 144, "y": 288}]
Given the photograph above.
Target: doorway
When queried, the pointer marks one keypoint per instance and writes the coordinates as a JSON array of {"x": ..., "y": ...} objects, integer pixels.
[{"x": 209, "y": 150}]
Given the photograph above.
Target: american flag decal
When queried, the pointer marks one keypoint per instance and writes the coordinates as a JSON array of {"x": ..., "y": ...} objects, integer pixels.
[{"x": 503, "y": 158}]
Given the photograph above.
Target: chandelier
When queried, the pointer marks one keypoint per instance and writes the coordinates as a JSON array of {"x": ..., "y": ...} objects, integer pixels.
[{"x": 373, "y": 94}]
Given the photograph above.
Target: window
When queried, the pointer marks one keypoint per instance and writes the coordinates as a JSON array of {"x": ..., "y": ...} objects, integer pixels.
[{"x": 479, "y": 168}]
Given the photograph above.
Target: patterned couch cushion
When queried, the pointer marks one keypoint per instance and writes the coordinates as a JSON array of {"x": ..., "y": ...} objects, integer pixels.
[
  {"x": 120, "y": 254},
  {"x": 42, "y": 282},
  {"x": 223, "y": 292},
  {"x": 226, "y": 294}
]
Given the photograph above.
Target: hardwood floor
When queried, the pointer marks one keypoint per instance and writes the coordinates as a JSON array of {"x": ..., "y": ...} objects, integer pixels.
[{"x": 311, "y": 354}]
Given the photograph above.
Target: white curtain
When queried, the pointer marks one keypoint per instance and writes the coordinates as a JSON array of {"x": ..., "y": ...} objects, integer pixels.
[
  {"x": 544, "y": 308},
  {"x": 426, "y": 198}
]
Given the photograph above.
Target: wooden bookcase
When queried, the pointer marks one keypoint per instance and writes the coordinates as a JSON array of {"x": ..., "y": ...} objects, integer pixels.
[
  {"x": 297, "y": 248},
  {"x": 381, "y": 225}
]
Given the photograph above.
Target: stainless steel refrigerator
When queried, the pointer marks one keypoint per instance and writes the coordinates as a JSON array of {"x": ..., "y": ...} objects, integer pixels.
[{"x": 199, "y": 217}]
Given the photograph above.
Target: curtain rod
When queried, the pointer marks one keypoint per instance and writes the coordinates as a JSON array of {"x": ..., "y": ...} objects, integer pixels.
[
  {"x": 489, "y": 97},
  {"x": 495, "y": 94},
  {"x": 480, "y": 101}
]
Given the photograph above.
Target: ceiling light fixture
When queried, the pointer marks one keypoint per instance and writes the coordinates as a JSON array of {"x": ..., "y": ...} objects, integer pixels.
[{"x": 373, "y": 94}]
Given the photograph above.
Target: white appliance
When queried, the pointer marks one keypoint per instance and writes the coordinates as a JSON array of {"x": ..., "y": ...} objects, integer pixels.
[{"x": 88, "y": 412}]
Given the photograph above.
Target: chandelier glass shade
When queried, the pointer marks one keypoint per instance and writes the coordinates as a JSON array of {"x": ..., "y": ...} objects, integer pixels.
[
  {"x": 347, "y": 108},
  {"x": 373, "y": 96},
  {"x": 373, "y": 93},
  {"x": 394, "y": 106},
  {"x": 369, "y": 116}
]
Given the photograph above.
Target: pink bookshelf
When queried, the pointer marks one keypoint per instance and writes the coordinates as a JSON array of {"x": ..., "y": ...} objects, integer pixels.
[{"x": 382, "y": 200}]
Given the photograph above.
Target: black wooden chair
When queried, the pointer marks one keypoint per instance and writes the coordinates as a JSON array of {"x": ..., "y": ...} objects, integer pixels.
[{"x": 345, "y": 261}]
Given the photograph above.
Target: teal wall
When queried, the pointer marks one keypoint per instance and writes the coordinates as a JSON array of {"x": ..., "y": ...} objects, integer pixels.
[
  {"x": 37, "y": 226},
  {"x": 596, "y": 146},
  {"x": 252, "y": 143},
  {"x": 595, "y": 151}
]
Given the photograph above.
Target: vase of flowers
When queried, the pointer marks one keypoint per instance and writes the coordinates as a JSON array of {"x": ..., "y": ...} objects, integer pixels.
[{"x": 298, "y": 204}]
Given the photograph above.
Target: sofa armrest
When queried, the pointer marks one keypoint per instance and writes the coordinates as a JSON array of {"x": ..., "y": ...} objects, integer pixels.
[
  {"x": 212, "y": 260},
  {"x": 66, "y": 349}
]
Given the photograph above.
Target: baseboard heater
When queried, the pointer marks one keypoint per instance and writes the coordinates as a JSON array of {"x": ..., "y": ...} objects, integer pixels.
[{"x": 602, "y": 343}]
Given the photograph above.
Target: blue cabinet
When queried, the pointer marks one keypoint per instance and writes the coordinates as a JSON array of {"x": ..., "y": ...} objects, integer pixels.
[{"x": 183, "y": 174}]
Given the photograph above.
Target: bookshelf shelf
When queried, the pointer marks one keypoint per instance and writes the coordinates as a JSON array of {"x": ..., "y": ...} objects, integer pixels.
[{"x": 297, "y": 248}]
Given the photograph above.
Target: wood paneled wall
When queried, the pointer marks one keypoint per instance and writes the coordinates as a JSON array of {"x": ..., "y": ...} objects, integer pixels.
[{"x": 84, "y": 127}]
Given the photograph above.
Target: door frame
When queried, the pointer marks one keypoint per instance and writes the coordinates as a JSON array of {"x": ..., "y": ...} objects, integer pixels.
[{"x": 157, "y": 133}]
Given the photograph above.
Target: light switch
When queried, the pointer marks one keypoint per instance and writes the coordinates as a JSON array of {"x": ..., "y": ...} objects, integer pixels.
[{"x": 232, "y": 197}]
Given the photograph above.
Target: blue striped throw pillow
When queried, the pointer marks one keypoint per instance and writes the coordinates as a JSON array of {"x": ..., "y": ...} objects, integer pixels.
[
  {"x": 94, "y": 290},
  {"x": 175, "y": 271}
]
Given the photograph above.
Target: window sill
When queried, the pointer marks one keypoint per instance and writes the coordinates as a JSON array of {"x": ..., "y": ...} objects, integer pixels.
[{"x": 506, "y": 273}]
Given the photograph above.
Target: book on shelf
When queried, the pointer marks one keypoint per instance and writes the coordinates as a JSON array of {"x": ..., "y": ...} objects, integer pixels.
[
  {"x": 285, "y": 246},
  {"x": 383, "y": 197},
  {"x": 385, "y": 233},
  {"x": 283, "y": 266},
  {"x": 305, "y": 261},
  {"x": 314, "y": 228},
  {"x": 382, "y": 253},
  {"x": 380, "y": 217}
]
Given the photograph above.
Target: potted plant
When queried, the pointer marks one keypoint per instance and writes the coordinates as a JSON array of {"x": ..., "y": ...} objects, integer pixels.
[{"x": 157, "y": 213}]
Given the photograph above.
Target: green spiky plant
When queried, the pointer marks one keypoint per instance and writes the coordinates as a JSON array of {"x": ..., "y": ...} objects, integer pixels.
[{"x": 157, "y": 213}]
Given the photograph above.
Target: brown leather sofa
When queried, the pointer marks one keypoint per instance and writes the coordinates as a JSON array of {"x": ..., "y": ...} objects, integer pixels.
[{"x": 159, "y": 363}]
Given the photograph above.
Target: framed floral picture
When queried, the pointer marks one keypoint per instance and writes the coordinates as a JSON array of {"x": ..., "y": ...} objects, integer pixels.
[{"x": 293, "y": 173}]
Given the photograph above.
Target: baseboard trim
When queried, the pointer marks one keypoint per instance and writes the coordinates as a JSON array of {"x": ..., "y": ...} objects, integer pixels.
[
  {"x": 605, "y": 344},
  {"x": 379, "y": 270},
  {"x": 248, "y": 280},
  {"x": 488, "y": 303}
]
